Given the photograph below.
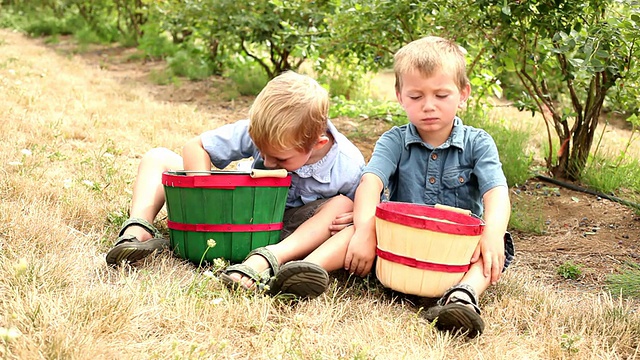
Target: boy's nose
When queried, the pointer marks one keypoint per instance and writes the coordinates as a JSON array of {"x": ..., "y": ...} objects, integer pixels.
[
  {"x": 269, "y": 163},
  {"x": 427, "y": 105}
]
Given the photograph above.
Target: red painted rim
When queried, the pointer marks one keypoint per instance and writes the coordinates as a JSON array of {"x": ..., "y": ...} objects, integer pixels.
[
  {"x": 419, "y": 264},
  {"x": 412, "y": 215},
  {"x": 223, "y": 227},
  {"x": 222, "y": 181}
]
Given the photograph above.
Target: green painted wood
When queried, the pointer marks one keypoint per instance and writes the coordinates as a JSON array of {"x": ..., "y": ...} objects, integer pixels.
[{"x": 242, "y": 205}]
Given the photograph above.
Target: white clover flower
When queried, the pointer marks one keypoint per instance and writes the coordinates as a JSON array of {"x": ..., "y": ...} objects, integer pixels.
[
  {"x": 9, "y": 334},
  {"x": 217, "y": 301},
  {"x": 66, "y": 183},
  {"x": 26, "y": 152},
  {"x": 88, "y": 183},
  {"x": 211, "y": 243},
  {"x": 208, "y": 274},
  {"x": 108, "y": 155}
]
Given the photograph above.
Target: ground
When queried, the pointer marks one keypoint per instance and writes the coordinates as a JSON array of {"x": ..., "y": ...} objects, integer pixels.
[{"x": 597, "y": 235}]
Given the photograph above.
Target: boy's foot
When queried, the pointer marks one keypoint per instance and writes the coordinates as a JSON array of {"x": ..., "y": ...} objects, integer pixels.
[
  {"x": 300, "y": 278},
  {"x": 457, "y": 312},
  {"x": 129, "y": 249},
  {"x": 248, "y": 276}
]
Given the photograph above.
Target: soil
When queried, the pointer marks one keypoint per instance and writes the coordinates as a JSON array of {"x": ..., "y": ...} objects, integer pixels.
[{"x": 599, "y": 236}]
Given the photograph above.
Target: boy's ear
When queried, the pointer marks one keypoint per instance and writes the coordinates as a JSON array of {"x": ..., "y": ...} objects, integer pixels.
[
  {"x": 322, "y": 141},
  {"x": 399, "y": 97},
  {"x": 464, "y": 95}
]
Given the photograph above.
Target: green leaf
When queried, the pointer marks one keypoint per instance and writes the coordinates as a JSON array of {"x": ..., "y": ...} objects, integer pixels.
[
  {"x": 575, "y": 199},
  {"x": 509, "y": 64}
]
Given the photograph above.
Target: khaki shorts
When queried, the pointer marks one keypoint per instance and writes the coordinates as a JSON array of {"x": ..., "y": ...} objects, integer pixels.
[{"x": 294, "y": 217}]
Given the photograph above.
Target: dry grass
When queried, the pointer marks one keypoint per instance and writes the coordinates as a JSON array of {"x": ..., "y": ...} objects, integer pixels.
[{"x": 58, "y": 299}]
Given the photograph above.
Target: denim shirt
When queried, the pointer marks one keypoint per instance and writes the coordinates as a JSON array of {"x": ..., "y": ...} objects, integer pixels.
[
  {"x": 457, "y": 173},
  {"x": 338, "y": 172}
]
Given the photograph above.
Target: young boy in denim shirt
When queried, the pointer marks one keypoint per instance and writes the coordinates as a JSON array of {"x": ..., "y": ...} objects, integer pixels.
[
  {"x": 435, "y": 159},
  {"x": 288, "y": 128}
]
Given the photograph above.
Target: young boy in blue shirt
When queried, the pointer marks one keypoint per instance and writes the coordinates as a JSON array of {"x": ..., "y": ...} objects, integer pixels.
[
  {"x": 435, "y": 159},
  {"x": 288, "y": 128}
]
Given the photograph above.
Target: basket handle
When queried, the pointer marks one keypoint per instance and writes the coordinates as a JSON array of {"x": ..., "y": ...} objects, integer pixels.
[
  {"x": 454, "y": 209},
  {"x": 259, "y": 173}
]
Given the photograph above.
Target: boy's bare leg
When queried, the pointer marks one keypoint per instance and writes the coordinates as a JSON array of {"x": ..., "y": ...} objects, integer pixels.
[
  {"x": 331, "y": 254},
  {"x": 306, "y": 238},
  {"x": 148, "y": 191},
  {"x": 476, "y": 279}
]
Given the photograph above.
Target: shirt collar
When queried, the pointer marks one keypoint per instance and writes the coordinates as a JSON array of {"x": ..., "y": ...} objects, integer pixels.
[
  {"x": 321, "y": 170},
  {"x": 455, "y": 139}
]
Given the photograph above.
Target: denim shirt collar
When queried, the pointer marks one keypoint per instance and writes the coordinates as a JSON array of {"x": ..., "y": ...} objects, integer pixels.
[
  {"x": 321, "y": 170},
  {"x": 455, "y": 139}
]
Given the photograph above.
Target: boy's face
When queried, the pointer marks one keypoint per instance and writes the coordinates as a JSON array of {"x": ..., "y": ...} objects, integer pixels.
[
  {"x": 431, "y": 102},
  {"x": 289, "y": 160}
]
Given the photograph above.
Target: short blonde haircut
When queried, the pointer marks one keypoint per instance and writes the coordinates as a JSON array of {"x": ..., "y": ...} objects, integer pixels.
[
  {"x": 430, "y": 54},
  {"x": 289, "y": 113}
]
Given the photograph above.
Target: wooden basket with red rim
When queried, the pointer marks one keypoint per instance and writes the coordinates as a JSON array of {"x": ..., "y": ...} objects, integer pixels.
[{"x": 424, "y": 250}]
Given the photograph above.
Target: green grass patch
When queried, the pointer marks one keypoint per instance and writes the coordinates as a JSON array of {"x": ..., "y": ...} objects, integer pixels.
[
  {"x": 610, "y": 175},
  {"x": 527, "y": 215},
  {"x": 627, "y": 283},
  {"x": 164, "y": 77},
  {"x": 389, "y": 111},
  {"x": 186, "y": 63},
  {"x": 516, "y": 160}
]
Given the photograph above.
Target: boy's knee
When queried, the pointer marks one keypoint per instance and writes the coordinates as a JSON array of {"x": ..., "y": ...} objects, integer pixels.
[
  {"x": 341, "y": 201},
  {"x": 160, "y": 158},
  {"x": 156, "y": 154}
]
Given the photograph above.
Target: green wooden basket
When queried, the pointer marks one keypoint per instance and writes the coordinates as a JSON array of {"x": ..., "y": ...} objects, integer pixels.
[{"x": 239, "y": 211}]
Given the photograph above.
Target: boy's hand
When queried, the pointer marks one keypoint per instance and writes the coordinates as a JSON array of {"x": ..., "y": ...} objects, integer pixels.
[
  {"x": 360, "y": 254},
  {"x": 492, "y": 254},
  {"x": 340, "y": 222}
]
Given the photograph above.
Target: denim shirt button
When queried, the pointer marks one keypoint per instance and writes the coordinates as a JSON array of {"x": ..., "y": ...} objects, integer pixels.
[
  {"x": 432, "y": 180},
  {"x": 434, "y": 156},
  {"x": 461, "y": 179}
]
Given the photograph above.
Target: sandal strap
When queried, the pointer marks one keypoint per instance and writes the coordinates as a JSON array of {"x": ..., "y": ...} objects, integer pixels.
[
  {"x": 143, "y": 224},
  {"x": 125, "y": 238},
  {"x": 245, "y": 270},
  {"x": 448, "y": 296},
  {"x": 267, "y": 255}
]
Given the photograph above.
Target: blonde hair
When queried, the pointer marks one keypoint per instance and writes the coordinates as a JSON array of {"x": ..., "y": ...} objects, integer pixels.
[
  {"x": 289, "y": 113},
  {"x": 430, "y": 54}
]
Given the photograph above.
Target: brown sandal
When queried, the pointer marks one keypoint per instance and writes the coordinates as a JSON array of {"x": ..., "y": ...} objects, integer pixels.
[{"x": 453, "y": 314}]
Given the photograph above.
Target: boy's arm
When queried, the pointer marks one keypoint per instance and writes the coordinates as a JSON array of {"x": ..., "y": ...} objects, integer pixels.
[
  {"x": 497, "y": 210},
  {"x": 195, "y": 157},
  {"x": 362, "y": 247}
]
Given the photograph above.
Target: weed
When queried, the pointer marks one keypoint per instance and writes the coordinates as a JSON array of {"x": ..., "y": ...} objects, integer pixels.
[
  {"x": 569, "y": 343},
  {"x": 570, "y": 271}
]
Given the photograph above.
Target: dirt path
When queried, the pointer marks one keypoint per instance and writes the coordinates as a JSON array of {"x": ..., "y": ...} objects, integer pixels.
[{"x": 596, "y": 234}]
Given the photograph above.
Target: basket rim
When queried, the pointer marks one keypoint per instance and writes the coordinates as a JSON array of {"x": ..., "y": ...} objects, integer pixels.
[
  {"x": 221, "y": 180},
  {"x": 421, "y": 216}
]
